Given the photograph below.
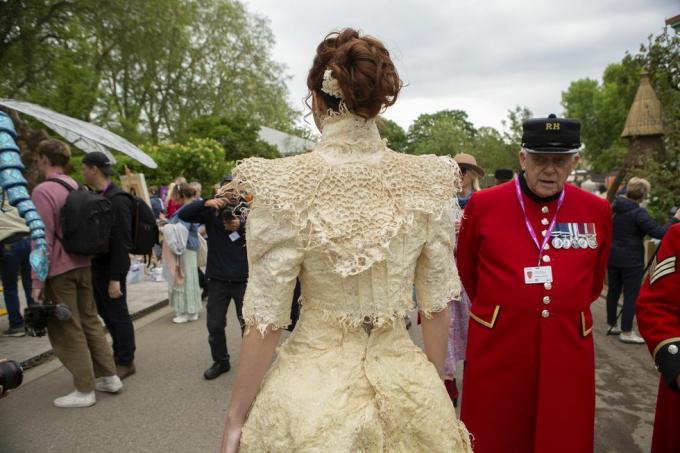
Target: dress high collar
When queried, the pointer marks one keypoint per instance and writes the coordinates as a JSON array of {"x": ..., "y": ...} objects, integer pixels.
[
  {"x": 360, "y": 134},
  {"x": 531, "y": 195}
]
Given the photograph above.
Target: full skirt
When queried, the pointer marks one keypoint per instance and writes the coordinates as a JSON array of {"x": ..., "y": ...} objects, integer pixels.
[{"x": 333, "y": 389}]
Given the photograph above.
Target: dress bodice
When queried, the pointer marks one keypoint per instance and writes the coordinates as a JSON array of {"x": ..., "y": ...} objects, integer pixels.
[{"x": 359, "y": 224}]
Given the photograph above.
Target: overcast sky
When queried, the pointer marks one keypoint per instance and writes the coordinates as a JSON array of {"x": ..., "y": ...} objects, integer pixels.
[{"x": 483, "y": 57}]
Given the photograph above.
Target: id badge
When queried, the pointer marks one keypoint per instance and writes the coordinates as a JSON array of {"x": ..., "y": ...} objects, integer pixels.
[
  {"x": 234, "y": 236},
  {"x": 539, "y": 274}
]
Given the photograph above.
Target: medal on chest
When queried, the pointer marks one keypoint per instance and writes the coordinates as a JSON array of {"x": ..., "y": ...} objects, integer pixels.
[{"x": 574, "y": 235}]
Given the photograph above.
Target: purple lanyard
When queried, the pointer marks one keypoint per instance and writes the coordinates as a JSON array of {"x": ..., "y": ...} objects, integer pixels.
[{"x": 530, "y": 228}]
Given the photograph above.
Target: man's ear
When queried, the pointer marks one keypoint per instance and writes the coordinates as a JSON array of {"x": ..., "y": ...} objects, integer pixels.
[{"x": 522, "y": 160}]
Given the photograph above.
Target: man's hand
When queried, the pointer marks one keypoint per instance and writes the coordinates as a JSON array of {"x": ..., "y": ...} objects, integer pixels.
[
  {"x": 216, "y": 203},
  {"x": 37, "y": 294},
  {"x": 114, "y": 290}
]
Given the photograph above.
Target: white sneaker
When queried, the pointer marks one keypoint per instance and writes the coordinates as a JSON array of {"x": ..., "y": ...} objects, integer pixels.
[
  {"x": 76, "y": 399},
  {"x": 614, "y": 330},
  {"x": 180, "y": 319},
  {"x": 192, "y": 317},
  {"x": 631, "y": 337},
  {"x": 110, "y": 384}
]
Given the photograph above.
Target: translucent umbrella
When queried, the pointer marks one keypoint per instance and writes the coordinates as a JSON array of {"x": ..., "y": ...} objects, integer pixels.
[{"x": 81, "y": 134}]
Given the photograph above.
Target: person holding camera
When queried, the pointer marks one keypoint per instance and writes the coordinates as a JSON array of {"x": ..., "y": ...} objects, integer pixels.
[
  {"x": 79, "y": 342},
  {"x": 227, "y": 269}
]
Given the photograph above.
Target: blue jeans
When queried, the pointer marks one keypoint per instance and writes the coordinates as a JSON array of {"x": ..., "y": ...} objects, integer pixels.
[{"x": 15, "y": 260}]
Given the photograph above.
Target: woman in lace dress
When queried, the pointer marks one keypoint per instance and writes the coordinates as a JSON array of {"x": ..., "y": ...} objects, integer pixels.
[{"x": 357, "y": 223}]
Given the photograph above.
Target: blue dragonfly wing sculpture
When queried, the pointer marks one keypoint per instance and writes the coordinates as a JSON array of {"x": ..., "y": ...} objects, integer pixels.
[{"x": 15, "y": 188}]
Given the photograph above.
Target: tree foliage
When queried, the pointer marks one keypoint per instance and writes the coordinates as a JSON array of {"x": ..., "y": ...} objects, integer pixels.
[
  {"x": 144, "y": 69},
  {"x": 603, "y": 108},
  {"x": 237, "y": 133},
  {"x": 395, "y": 135},
  {"x": 446, "y": 132},
  {"x": 199, "y": 159},
  {"x": 492, "y": 151}
]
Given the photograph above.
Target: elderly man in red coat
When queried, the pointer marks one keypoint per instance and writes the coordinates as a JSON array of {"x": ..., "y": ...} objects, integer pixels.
[
  {"x": 532, "y": 255},
  {"x": 658, "y": 312}
]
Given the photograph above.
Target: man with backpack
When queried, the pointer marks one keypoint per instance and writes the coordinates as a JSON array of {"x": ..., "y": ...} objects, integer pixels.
[
  {"x": 80, "y": 342},
  {"x": 109, "y": 270}
]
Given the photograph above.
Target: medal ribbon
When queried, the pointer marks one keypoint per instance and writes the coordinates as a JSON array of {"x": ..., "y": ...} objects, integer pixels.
[{"x": 530, "y": 228}]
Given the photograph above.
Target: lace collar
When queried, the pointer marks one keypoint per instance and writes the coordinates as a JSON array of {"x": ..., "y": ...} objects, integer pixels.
[{"x": 347, "y": 136}]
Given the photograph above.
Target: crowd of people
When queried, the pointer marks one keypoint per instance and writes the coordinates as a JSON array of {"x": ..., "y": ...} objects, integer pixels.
[
  {"x": 503, "y": 279},
  {"x": 94, "y": 286}
]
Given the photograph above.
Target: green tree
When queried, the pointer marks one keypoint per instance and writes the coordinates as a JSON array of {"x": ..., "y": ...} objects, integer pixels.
[
  {"x": 602, "y": 109},
  {"x": 237, "y": 133},
  {"x": 199, "y": 159},
  {"x": 492, "y": 152},
  {"x": 446, "y": 132},
  {"x": 143, "y": 69},
  {"x": 513, "y": 126},
  {"x": 46, "y": 55},
  {"x": 395, "y": 135}
]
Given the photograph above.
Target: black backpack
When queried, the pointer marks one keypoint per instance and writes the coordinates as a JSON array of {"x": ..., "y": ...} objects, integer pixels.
[
  {"x": 144, "y": 227},
  {"x": 86, "y": 220}
]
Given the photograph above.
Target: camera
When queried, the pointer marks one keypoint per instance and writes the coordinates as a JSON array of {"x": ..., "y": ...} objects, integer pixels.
[
  {"x": 236, "y": 207},
  {"x": 36, "y": 316},
  {"x": 11, "y": 375}
]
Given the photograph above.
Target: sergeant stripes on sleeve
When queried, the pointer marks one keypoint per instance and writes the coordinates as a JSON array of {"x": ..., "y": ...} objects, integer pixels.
[{"x": 663, "y": 268}]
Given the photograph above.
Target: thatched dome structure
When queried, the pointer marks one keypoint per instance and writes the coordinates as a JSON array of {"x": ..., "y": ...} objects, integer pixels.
[{"x": 644, "y": 117}]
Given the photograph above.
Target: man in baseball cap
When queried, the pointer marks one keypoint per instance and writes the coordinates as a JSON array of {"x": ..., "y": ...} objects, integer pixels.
[
  {"x": 101, "y": 161},
  {"x": 109, "y": 271}
]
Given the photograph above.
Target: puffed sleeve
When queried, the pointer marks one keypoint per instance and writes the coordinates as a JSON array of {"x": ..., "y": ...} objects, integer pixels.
[
  {"x": 436, "y": 279},
  {"x": 275, "y": 254}
]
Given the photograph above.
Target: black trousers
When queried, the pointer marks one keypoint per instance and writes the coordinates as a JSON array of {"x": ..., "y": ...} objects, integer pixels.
[
  {"x": 220, "y": 295},
  {"x": 628, "y": 280},
  {"x": 116, "y": 316}
]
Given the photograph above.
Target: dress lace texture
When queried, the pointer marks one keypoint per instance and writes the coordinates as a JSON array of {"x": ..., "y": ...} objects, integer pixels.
[
  {"x": 352, "y": 194},
  {"x": 357, "y": 222}
]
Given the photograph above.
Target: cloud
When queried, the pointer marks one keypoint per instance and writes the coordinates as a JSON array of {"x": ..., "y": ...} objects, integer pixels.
[{"x": 482, "y": 57}]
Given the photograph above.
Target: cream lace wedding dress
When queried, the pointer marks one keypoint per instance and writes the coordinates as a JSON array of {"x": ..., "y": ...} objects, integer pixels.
[{"x": 358, "y": 224}]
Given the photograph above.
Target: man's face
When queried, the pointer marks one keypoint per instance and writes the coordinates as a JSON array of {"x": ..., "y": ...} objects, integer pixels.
[
  {"x": 89, "y": 174},
  {"x": 546, "y": 173}
]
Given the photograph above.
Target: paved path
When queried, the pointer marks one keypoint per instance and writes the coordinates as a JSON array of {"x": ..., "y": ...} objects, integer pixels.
[
  {"x": 142, "y": 297},
  {"x": 168, "y": 407}
]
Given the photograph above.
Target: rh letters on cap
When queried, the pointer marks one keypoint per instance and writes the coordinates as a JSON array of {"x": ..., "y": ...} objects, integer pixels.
[{"x": 552, "y": 126}]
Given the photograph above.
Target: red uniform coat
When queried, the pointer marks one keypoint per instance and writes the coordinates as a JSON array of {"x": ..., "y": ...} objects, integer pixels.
[
  {"x": 658, "y": 315},
  {"x": 529, "y": 383}
]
